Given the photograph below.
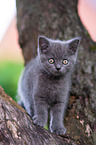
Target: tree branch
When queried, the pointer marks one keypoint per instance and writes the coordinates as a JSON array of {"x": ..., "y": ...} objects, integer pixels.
[{"x": 16, "y": 126}]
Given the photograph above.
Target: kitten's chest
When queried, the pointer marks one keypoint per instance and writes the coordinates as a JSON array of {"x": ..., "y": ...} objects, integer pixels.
[{"x": 50, "y": 89}]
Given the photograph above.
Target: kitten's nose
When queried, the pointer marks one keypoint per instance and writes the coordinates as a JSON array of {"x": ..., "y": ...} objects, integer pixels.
[{"x": 58, "y": 67}]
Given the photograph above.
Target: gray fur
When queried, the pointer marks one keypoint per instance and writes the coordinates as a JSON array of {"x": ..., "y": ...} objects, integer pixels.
[{"x": 43, "y": 86}]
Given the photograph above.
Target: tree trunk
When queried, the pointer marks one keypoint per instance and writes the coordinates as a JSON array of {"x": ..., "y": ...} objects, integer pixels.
[
  {"x": 59, "y": 19},
  {"x": 16, "y": 126}
]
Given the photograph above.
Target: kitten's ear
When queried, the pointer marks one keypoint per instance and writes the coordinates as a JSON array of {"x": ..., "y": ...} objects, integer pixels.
[
  {"x": 74, "y": 43},
  {"x": 43, "y": 43}
]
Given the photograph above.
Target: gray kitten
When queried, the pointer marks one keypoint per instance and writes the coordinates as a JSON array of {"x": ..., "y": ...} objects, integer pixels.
[{"x": 45, "y": 82}]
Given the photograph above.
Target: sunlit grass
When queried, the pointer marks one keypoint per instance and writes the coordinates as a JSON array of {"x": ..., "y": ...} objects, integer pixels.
[
  {"x": 46, "y": 127},
  {"x": 9, "y": 75}
]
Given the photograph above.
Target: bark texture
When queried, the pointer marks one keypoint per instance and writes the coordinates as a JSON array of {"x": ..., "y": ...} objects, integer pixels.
[
  {"x": 16, "y": 127},
  {"x": 59, "y": 19}
]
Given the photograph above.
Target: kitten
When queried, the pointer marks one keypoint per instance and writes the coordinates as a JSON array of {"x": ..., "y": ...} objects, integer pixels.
[{"x": 45, "y": 82}]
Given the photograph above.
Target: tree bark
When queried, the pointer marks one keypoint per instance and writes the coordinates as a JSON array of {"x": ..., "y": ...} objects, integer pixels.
[
  {"x": 16, "y": 126},
  {"x": 59, "y": 19}
]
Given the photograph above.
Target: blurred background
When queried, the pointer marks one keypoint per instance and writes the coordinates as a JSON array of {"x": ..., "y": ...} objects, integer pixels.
[{"x": 11, "y": 60}]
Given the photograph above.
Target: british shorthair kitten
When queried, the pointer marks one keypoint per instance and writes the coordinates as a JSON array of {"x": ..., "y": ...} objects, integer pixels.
[{"x": 45, "y": 82}]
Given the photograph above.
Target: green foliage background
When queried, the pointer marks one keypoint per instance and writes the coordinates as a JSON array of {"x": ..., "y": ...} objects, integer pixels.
[{"x": 9, "y": 76}]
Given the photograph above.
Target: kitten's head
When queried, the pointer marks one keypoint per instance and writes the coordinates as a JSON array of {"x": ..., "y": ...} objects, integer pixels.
[{"x": 57, "y": 57}]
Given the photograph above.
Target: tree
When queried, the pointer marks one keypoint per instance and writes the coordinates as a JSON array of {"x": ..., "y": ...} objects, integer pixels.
[{"x": 59, "y": 19}]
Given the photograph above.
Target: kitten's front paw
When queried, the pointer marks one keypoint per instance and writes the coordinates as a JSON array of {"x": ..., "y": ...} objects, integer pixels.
[
  {"x": 60, "y": 131},
  {"x": 38, "y": 121}
]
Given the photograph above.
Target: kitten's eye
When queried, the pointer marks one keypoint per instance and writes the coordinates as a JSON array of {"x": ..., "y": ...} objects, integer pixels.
[
  {"x": 65, "y": 62},
  {"x": 51, "y": 60}
]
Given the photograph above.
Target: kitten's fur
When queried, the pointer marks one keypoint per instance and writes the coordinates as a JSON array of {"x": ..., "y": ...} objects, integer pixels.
[{"x": 43, "y": 85}]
